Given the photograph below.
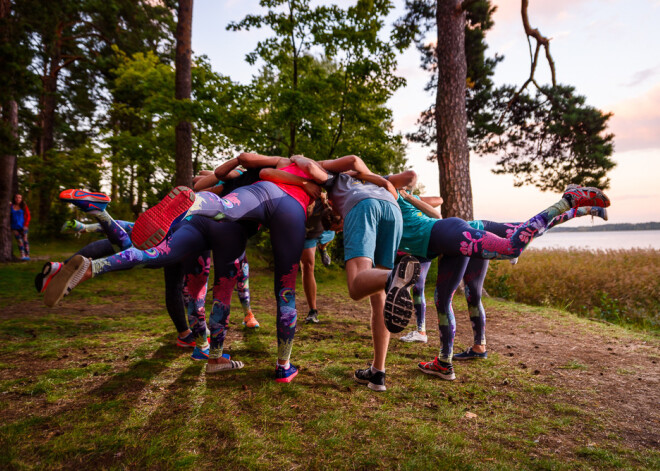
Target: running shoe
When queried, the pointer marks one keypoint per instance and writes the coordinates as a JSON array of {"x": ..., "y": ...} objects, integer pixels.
[
  {"x": 398, "y": 302},
  {"x": 72, "y": 227},
  {"x": 186, "y": 342},
  {"x": 438, "y": 368},
  {"x": 49, "y": 270},
  {"x": 25, "y": 258},
  {"x": 200, "y": 353},
  {"x": 283, "y": 375},
  {"x": 86, "y": 201},
  {"x": 152, "y": 226},
  {"x": 219, "y": 367},
  {"x": 325, "y": 258},
  {"x": 250, "y": 321},
  {"x": 374, "y": 381},
  {"x": 68, "y": 278},
  {"x": 415, "y": 336},
  {"x": 595, "y": 211},
  {"x": 470, "y": 354},
  {"x": 579, "y": 196},
  {"x": 312, "y": 317}
]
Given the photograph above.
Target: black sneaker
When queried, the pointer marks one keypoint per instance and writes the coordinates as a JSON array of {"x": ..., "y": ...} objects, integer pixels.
[
  {"x": 399, "y": 305},
  {"x": 374, "y": 381},
  {"x": 312, "y": 317}
]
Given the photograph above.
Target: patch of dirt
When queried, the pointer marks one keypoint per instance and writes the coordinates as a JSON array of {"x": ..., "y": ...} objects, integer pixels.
[{"x": 615, "y": 374}]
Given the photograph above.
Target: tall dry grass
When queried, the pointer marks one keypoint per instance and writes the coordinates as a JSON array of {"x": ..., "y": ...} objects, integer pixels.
[{"x": 621, "y": 286}]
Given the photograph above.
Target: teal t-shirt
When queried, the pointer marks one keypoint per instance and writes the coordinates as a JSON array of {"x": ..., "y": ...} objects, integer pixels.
[{"x": 416, "y": 229}]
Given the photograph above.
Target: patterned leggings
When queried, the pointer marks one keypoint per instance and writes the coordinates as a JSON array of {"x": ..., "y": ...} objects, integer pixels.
[
  {"x": 472, "y": 269},
  {"x": 195, "y": 288}
]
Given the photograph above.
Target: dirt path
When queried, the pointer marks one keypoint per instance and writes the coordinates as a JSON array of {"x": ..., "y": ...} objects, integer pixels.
[{"x": 605, "y": 368}]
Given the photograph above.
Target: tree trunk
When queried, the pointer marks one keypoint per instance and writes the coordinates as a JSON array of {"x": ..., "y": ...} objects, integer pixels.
[
  {"x": 7, "y": 166},
  {"x": 183, "y": 86},
  {"x": 46, "y": 140},
  {"x": 451, "y": 114}
]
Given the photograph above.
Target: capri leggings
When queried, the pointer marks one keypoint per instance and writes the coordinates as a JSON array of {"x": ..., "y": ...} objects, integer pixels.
[
  {"x": 197, "y": 272},
  {"x": 262, "y": 202},
  {"x": 452, "y": 268},
  {"x": 419, "y": 298}
]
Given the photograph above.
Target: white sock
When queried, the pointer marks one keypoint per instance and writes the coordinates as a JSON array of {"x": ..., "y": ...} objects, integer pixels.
[
  {"x": 374, "y": 370},
  {"x": 286, "y": 366}
]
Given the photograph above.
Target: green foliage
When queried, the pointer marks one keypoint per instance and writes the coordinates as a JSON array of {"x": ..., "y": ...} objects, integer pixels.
[
  {"x": 323, "y": 86},
  {"x": 548, "y": 139}
]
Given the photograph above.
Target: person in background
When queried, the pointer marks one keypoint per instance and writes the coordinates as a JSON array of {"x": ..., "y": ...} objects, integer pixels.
[{"x": 20, "y": 221}]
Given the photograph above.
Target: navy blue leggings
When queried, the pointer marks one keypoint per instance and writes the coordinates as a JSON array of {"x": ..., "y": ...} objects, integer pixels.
[{"x": 266, "y": 204}]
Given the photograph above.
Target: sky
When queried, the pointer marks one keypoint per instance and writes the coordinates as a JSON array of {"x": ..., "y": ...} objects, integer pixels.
[{"x": 608, "y": 49}]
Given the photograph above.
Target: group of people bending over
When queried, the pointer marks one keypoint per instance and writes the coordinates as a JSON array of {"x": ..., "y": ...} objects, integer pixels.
[{"x": 379, "y": 216}]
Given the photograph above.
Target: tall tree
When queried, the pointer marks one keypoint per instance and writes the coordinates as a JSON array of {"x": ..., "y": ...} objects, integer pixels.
[
  {"x": 549, "y": 139},
  {"x": 73, "y": 40},
  {"x": 326, "y": 78},
  {"x": 15, "y": 79},
  {"x": 183, "y": 87}
]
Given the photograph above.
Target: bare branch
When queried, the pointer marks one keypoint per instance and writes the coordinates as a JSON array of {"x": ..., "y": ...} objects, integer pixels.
[{"x": 540, "y": 39}]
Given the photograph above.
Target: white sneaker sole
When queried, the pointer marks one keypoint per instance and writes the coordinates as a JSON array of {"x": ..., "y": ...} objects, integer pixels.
[
  {"x": 399, "y": 305},
  {"x": 62, "y": 283}
]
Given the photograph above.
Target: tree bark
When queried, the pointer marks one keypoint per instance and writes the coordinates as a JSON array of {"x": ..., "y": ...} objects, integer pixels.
[
  {"x": 46, "y": 140},
  {"x": 450, "y": 112},
  {"x": 183, "y": 88},
  {"x": 7, "y": 166}
]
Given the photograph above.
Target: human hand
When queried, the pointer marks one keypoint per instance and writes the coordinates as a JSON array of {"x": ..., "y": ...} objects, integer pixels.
[{"x": 312, "y": 189}]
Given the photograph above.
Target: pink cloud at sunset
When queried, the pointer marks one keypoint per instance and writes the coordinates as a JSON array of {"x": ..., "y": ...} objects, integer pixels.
[{"x": 636, "y": 122}]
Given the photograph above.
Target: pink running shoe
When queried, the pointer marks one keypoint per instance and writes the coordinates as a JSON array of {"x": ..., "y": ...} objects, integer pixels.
[
  {"x": 85, "y": 200},
  {"x": 151, "y": 226},
  {"x": 580, "y": 196}
]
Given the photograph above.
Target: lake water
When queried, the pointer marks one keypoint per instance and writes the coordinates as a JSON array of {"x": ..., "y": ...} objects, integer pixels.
[{"x": 598, "y": 240}]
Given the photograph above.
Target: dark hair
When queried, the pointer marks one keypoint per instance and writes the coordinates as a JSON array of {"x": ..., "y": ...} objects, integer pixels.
[
  {"x": 329, "y": 217},
  {"x": 22, "y": 203}
]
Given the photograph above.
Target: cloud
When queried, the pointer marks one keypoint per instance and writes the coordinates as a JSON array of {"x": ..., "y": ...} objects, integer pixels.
[
  {"x": 641, "y": 76},
  {"x": 636, "y": 122}
]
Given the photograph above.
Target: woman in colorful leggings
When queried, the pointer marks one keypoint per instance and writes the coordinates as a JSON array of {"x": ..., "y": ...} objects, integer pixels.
[
  {"x": 458, "y": 240},
  {"x": 263, "y": 202}
]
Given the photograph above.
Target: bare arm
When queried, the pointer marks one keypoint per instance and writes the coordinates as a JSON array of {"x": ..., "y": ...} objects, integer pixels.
[
  {"x": 434, "y": 201},
  {"x": 377, "y": 180},
  {"x": 426, "y": 208},
  {"x": 406, "y": 179},
  {"x": 345, "y": 164},
  {"x": 278, "y": 176},
  {"x": 249, "y": 160},
  {"x": 312, "y": 167}
]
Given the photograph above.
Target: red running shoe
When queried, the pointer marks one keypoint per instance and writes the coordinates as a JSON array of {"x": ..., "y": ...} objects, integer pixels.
[
  {"x": 580, "y": 196},
  {"x": 151, "y": 226},
  {"x": 85, "y": 200}
]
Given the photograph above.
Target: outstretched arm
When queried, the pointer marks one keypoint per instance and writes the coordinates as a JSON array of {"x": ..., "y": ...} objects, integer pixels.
[
  {"x": 377, "y": 180},
  {"x": 406, "y": 179},
  {"x": 278, "y": 176},
  {"x": 249, "y": 160},
  {"x": 312, "y": 167},
  {"x": 434, "y": 201},
  {"x": 426, "y": 208}
]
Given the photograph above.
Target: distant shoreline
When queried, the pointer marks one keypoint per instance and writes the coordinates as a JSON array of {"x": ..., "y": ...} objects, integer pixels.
[{"x": 644, "y": 226}]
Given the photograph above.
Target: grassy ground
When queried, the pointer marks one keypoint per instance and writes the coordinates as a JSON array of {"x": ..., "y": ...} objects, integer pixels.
[{"x": 99, "y": 383}]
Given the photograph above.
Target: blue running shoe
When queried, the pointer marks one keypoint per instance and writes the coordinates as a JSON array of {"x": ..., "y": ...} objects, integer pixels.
[
  {"x": 85, "y": 201},
  {"x": 285, "y": 375},
  {"x": 200, "y": 353},
  {"x": 470, "y": 354}
]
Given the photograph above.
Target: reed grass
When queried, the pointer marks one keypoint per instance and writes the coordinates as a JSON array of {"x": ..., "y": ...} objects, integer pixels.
[{"x": 618, "y": 286}]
